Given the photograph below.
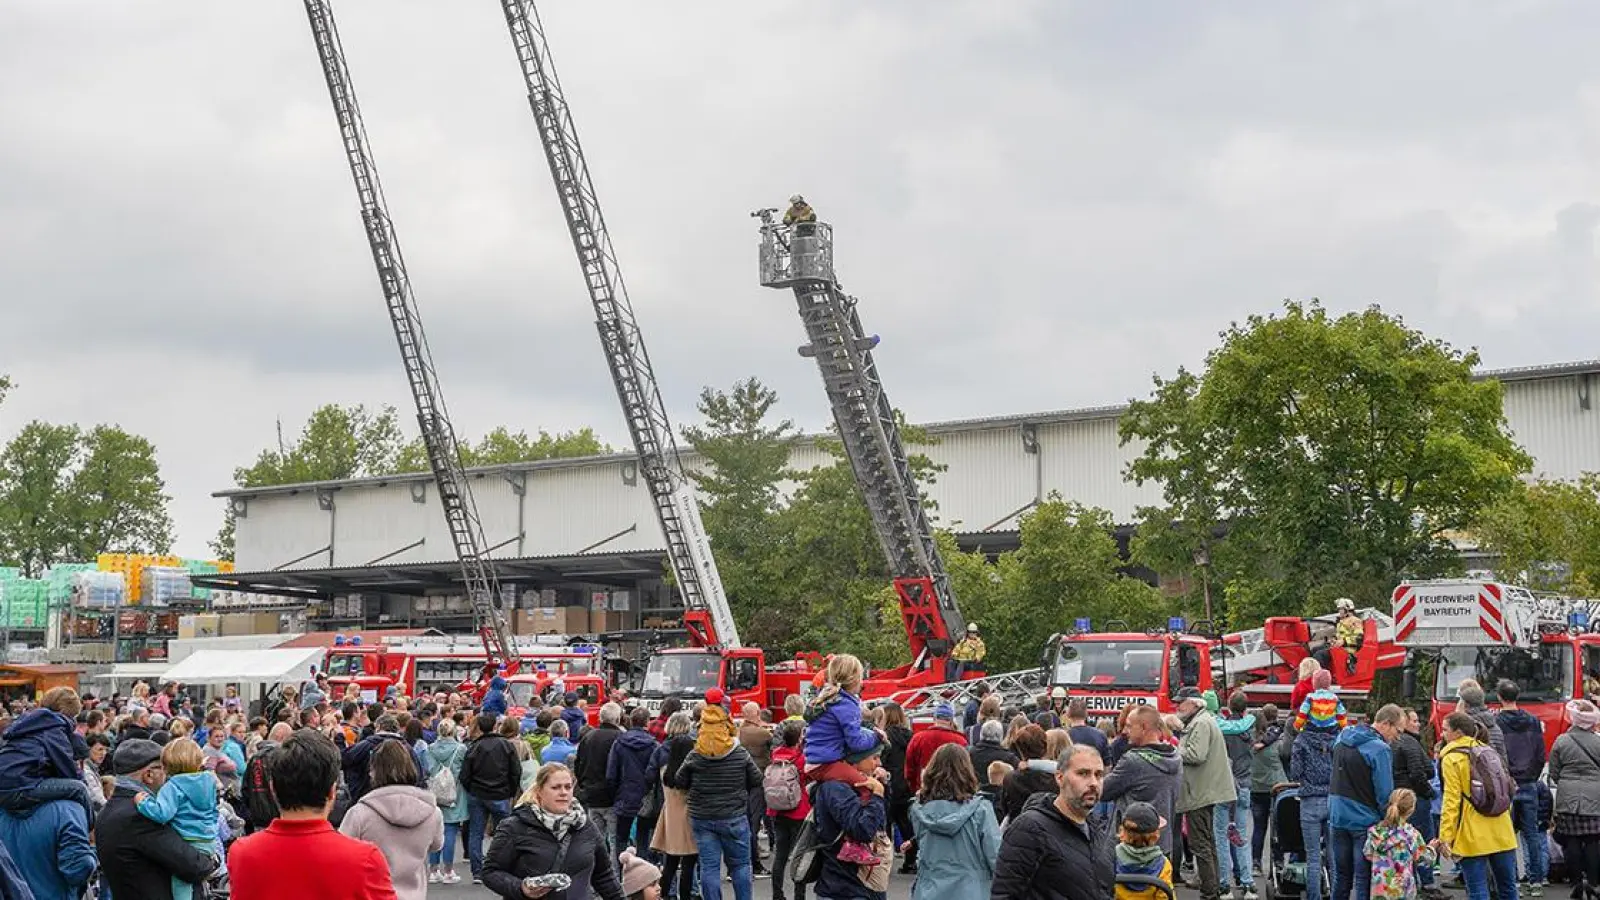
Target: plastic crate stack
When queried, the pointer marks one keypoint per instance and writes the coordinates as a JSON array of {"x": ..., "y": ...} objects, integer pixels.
[
  {"x": 60, "y": 581},
  {"x": 22, "y": 600},
  {"x": 99, "y": 590},
  {"x": 165, "y": 586},
  {"x": 132, "y": 566}
]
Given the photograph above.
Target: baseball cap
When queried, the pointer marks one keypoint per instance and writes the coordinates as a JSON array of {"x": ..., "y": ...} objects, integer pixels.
[
  {"x": 716, "y": 697},
  {"x": 943, "y": 712},
  {"x": 875, "y": 750},
  {"x": 1190, "y": 693},
  {"x": 1141, "y": 818},
  {"x": 131, "y": 756}
]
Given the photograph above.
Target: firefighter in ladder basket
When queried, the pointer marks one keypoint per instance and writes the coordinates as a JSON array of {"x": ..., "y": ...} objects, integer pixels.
[
  {"x": 802, "y": 216},
  {"x": 967, "y": 656}
]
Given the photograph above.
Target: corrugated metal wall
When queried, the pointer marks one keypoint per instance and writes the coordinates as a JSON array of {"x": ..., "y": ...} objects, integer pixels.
[
  {"x": 990, "y": 477},
  {"x": 1550, "y": 422}
]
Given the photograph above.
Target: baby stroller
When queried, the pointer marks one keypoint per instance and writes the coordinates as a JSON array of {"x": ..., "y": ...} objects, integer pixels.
[{"x": 1284, "y": 868}]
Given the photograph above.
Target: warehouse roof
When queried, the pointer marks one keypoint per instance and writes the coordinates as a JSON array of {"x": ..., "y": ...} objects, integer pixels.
[
  {"x": 620, "y": 569},
  {"x": 1047, "y": 417}
]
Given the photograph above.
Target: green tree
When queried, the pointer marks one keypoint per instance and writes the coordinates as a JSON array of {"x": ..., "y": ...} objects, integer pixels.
[
  {"x": 746, "y": 459},
  {"x": 5, "y": 387},
  {"x": 118, "y": 497},
  {"x": 1339, "y": 451},
  {"x": 1547, "y": 535},
  {"x": 69, "y": 495},
  {"x": 35, "y": 495},
  {"x": 1067, "y": 566},
  {"x": 503, "y": 447}
]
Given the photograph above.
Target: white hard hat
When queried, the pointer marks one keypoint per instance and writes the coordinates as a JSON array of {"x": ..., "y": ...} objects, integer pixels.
[
  {"x": 1344, "y": 603},
  {"x": 797, "y": 199},
  {"x": 1058, "y": 693},
  {"x": 972, "y": 627}
]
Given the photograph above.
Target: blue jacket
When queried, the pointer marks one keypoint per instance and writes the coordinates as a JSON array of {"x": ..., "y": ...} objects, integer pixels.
[
  {"x": 834, "y": 730},
  {"x": 188, "y": 803},
  {"x": 957, "y": 845},
  {"x": 1363, "y": 779},
  {"x": 530, "y": 721},
  {"x": 576, "y": 721},
  {"x": 50, "y": 844},
  {"x": 494, "y": 702},
  {"x": 561, "y": 751},
  {"x": 838, "y": 808},
  {"x": 39, "y": 745},
  {"x": 628, "y": 770},
  {"x": 1311, "y": 762}
]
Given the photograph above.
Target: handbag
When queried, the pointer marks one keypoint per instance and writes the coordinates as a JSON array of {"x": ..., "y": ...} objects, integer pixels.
[
  {"x": 651, "y": 807},
  {"x": 875, "y": 875}
]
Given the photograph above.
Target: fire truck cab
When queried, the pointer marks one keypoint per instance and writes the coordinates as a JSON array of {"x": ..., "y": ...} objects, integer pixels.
[
  {"x": 1456, "y": 629},
  {"x": 416, "y": 665},
  {"x": 1110, "y": 670},
  {"x": 741, "y": 672}
]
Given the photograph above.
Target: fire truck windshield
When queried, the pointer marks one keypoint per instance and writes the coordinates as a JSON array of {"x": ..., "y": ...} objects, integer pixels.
[
  {"x": 1109, "y": 664},
  {"x": 344, "y": 664},
  {"x": 520, "y": 693},
  {"x": 1545, "y": 675},
  {"x": 681, "y": 673}
]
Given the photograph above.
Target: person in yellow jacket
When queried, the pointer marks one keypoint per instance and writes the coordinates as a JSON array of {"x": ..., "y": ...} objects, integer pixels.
[
  {"x": 799, "y": 211},
  {"x": 1486, "y": 846}
]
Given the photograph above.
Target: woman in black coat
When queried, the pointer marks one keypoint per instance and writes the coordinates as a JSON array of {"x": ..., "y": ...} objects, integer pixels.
[
  {"x": 898, "y": 730},
  {"x": 526, "y": 845}
]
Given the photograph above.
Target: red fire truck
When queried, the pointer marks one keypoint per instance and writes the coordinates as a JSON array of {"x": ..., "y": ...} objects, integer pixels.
[
  {"x": 417, "y": 665},
  {"x": 1115, "y": 668},
  {"x": 1455, "y": 629}
]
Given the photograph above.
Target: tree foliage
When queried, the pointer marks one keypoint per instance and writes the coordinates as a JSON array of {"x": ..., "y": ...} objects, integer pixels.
[
  {"x": 1338, "y": 451},
  {"x": 1546, "y": 535},
  {"x": 747, "y": 458},
  {"x": 1067, "y": 566},
  {"x": 340, "y": 442},
  {"x": 67, "y": 495}
]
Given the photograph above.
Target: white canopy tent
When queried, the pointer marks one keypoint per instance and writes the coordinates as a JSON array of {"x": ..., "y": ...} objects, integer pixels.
[{"x": 247, "y": 667}]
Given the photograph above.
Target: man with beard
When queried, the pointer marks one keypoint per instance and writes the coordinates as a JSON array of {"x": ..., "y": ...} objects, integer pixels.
[{"x": 1049, "y": 849}]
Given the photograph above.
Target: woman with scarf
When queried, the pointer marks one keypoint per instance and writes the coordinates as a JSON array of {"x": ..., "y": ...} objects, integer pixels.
[
  {"x": 547, "y": 825},
  {"x": 719, "y": 776}
]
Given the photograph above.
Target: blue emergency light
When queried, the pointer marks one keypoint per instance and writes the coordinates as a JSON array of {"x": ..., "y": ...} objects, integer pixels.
[
  {"x": 356, "y": 640},
  {"x": 1176, "y": 623},
  {"x": 338, "y": 640},
  {"x": 1082, "y": 623},
  {"x": 1578, "y": 618}
]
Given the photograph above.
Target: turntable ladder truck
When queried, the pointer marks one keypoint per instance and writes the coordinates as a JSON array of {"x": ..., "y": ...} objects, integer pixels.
[
  {"x": 438, "y": 435},
  {"x": 707, "y": 616},
  {"x": 799, "y": 257}
]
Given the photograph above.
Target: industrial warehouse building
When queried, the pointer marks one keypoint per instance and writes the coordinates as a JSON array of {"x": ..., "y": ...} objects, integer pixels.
[{"x": 581, "y": 534}]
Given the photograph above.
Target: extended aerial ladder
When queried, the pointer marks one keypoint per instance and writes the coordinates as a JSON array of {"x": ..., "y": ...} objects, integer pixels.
[
  {"x": 799, "y": 256},
  {"x": 707, "y": 616},
  {"x": 438, "y": 435}
]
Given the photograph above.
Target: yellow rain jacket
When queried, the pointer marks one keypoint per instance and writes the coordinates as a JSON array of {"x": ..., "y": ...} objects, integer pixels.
[
  {"x": 717, "y": 733},
  {"x": 1463, "y": 829}
]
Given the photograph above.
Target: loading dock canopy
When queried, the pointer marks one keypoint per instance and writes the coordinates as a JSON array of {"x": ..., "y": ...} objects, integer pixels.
[{"x": 246, "y": 667}]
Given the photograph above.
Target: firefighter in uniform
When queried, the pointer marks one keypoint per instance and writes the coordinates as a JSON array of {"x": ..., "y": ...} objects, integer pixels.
[{"x": 969, "y": 653}]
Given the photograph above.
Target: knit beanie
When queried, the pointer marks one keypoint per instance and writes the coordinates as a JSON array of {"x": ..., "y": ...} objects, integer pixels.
[
  {"x": 1322, "y": 680},
  {"x": 637, "y": 874}
]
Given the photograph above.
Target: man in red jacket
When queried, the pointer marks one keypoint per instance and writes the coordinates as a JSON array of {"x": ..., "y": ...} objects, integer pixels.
[
  {"x": 300, "y": 855},
  {"x": 920, "y": 751}
]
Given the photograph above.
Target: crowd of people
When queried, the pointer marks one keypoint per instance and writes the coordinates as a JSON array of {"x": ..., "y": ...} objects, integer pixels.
[{"x": 155, "y": 795}]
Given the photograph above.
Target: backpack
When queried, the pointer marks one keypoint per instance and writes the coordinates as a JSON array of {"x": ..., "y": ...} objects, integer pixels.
[
  {"x": 443, "y": 785},
  {"x": 805, "y": 863},
  {"x": 781, "y": 784},
  {"x": 1492, "y": 787}
]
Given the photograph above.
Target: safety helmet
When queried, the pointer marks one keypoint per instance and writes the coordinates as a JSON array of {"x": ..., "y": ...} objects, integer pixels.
[
  {"x": 797, "y": 199},
  {"x": 1344, "y": 603},
  {"x": 972, "y": 628},
  {"x": 1058, "y": 693}
]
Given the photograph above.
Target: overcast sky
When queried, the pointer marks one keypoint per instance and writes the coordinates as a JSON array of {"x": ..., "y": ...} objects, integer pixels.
[{"x": 1038, "y": 203}]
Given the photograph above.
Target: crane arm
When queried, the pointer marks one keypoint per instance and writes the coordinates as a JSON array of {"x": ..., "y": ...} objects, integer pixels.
[
  {"x": 438, "y": 435},
  {"x": 799, "y": 256},
  {"x": 707, "y": 614}
]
